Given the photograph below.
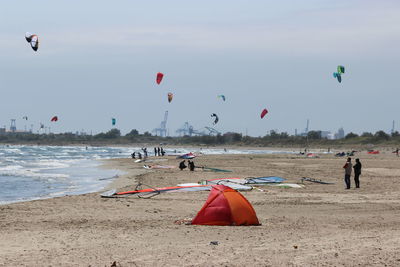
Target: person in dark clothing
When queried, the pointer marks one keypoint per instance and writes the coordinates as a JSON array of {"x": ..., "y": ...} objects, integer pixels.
[
  {"x": 158, "y": 151},
  {"x": 182, "y": 165},
  {"x": 347, "y": 172},
  {"x": 133, "y": 155},
  {"x": 155, "y": 152},
  {"x": 357, "y": 172},
  {"x": 139, "y": 155},
  {"x": 191, "y": 165},
  {"x": 162, "y": 152}
]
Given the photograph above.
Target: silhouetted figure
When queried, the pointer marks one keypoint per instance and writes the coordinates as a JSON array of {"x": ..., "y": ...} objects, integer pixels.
[
  {"x": 139, "y": 155},
  {"x": 155, "y": 152},
  {"x": 191, "y": 165},
  {"x": 158, "y": 151},
  {"x": 182, "y": 165},
  {"x": 347, "y": 172},
  {"x": 133, "y": 155},
  {"x": 357, "y": 172},
  {"x": 162, "y": 152}
]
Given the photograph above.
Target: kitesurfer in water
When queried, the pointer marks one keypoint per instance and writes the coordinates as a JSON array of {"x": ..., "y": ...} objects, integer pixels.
[
  {"x": 357, "y": 172},
  {"x": 182, "y": 165},
  {"x": 347, "y": 172}
]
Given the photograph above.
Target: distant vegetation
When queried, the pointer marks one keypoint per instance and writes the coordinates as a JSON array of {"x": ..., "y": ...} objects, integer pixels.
[{"x": 274, "y": 138}]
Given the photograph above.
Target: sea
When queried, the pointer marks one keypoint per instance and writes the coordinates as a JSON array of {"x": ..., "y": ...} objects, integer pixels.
[{"x": 39, "y": 172}]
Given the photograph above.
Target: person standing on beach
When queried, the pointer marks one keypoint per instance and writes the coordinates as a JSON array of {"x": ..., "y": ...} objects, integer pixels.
[
  {"x": 347, "y": 172},
  {"x": 158, "y": 151},
  {"x": 182, "y": 165},
  {"x": 357, "y": 172},
  {"x": 155, "y": 152}
]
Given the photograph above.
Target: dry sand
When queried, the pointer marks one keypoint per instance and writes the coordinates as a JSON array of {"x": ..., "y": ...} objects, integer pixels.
[{"x": 319, "y": 225}]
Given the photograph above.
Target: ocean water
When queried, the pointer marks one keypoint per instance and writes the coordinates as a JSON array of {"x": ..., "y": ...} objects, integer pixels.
[{"x": 36, "y": 172}]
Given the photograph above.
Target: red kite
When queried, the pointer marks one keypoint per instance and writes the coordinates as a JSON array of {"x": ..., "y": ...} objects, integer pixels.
[
  {"x": 263, "y": 113},
  {"x": 159, "y": 77}
]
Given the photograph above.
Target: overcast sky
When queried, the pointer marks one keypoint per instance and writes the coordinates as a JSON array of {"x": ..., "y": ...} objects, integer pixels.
[{"x": 98, "y": 60}]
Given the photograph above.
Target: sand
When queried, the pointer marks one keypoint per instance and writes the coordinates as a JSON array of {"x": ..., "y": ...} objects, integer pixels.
[{"x": 318, "y": 225}]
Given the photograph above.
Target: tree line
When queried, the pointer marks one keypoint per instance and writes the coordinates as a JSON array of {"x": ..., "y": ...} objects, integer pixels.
[{"x": 273, "y": 138}]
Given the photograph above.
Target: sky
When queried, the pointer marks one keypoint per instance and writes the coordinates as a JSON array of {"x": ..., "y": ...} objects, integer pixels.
[{"x": 98, "y": 60}]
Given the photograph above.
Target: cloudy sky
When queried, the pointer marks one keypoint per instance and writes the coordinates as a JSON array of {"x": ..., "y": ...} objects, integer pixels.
[{"x": 98, "y": 60}]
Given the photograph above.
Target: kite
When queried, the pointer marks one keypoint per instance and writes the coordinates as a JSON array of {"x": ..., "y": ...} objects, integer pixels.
[
  {"x": 340, "y": 69},
  {"x": 25, "y": 118},
  {"x": 170, "y": 96},
  {"x": 216, "y": 118},
  {"x": 113, "y": 121},
  {"x": 54, "y": 119},
  {"x": 222, "y": 97},
  {"x": 159, "y": 77},
  {"x": 337, "y": 76},
  {"x": 263, "y": 113},
  {"x": 41, "y": 126},
  {"x": 33, "y": 40}
]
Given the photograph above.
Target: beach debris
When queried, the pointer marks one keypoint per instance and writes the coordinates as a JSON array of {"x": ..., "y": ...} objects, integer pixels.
[
  {"x": 308, "y": 179},
  {"x": 295, "y": 247},
  {"x": 115, "y": 264},
  {"x": 212, "y": 169},
  {"x": 159, "y": 77},
  {"x": 373, "y": 152},
  {"x": 33, "y": 39},
  {"x": 151, "y": 191},
  {"x": 216, "y": 119},
  {"x": 263, "y": 113},
  {"x": 109, "y": 178},
  {"x": 159, "y": 167},
  {"x": 222, "y": 97},
  {"x": 186, "y": 221},
  {"x": 288, "y": 185},
  {"x": 214, "y": 243},
  {"x": 246, "y": 181},
  {"x": 54, "y": 119},
  {"x": 226, "y": 206},
  {"x": 170, "y": 96}
]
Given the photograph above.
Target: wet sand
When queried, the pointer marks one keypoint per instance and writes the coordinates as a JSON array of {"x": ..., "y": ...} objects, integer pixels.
[{"x": 318, "y": 225}]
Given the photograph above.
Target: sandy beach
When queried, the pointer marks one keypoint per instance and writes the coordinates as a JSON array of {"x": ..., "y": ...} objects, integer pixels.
[{"x": 318, "y": 225}]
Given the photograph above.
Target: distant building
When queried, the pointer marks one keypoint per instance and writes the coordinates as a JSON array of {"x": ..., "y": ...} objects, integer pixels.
[
  {"x": 325, "y": 134},
  {"x": 339, "y": 134}
]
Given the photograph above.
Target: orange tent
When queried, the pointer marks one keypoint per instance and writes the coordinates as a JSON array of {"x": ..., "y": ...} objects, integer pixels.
[{"x": 226, "y": 206}]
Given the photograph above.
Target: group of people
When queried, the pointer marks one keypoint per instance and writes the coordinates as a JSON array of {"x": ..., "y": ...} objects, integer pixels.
[
  {"x": 159, "y": 151},
  {"x": 348, "y": 168},
  {"x": 183, "y": 166}
]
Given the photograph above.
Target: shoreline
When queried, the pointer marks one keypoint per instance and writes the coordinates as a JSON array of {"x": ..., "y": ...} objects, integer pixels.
[{"x": 314, "y": 225}]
